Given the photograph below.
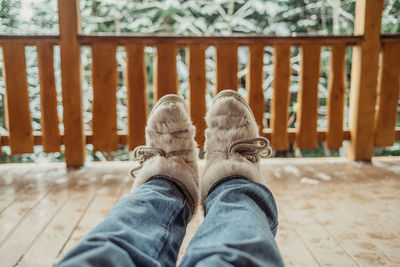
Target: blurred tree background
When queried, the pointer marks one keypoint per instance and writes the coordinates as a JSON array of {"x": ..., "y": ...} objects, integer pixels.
[{"x": 186, "y": 17}]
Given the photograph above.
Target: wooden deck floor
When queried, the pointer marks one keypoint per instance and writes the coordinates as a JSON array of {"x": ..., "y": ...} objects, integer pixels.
[{"x": 332, "y": 212}]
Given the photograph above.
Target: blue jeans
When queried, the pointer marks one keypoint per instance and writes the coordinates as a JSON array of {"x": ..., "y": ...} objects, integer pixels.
[{"x": 147, "y": 227}]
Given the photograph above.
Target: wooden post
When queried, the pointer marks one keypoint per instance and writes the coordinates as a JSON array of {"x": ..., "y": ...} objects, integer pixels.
[
  {"x": 364, "y": 78},
  {"x": 307, "y": 97},
  {"x": 18, "y": 115},
  {"x": 227, "y": 67},
  {"x": 51, "y": 139},
  {"x": 197, "y": 90},
  {"x": 69, "y": 23},
  {"x": 388, "y": 95},
  {"x": 165, "y": 73},
  {"x": 337, "y": 91},
  {"x": 254, "y": 80},
  {"x": 105, "y": 82},
  {"x": 280, "y": 99},
  {"x": 136, "y": 99}
]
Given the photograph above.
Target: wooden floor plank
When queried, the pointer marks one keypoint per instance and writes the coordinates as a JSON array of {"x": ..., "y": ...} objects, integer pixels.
[
  {"x": 12, "y": 216},
  {"x": 369, "y": 189},
  {"x": 51, "y": 240},
  {"x": 11, "y": 187},
  {"x": 347, "y": 204},
  {"x": 191, "y": 229},
  {"x": 350, "y": 234},
  {"x": 324, "y": 247},
  {"x": 350, "y": 214},
  {"x": 105, "y": 199},
  {"x": 37, "y": 220},
  {"x": 26, "y": 194},
  {"x": 8, "y": 195},
  {"x": 374, "y": 211},
  {"x": 292, "y": 249}
]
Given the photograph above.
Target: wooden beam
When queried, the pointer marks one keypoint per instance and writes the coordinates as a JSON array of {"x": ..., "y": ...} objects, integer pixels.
[
  {"x": 104, "y": 76},
  {"x": 254, "y": 80},
  {"x": 165, "y": 75},
  {"x": 18, "y": 115},
  {"x": 123, "y": 136},
  {"x": 136, "y": 100},
  {"x": 321, "y": 134},
  {"x": 307, "y": 97},
  {"x": 388, "y": 95},
  {"x": 48, "y": 99},
  {"x": 227, "y": 67},
  {"x": 280, "y": 99},
  {"x": 69, "y": 23},
  {"x": 245, "y": 39},
  {"x": 337, "y": 91},
  {"x": 197, "y": 90},
  {"x": 390, "y": 38},
  {"x": 30, "y": 39},
  {"x": 364, "y": 78}
]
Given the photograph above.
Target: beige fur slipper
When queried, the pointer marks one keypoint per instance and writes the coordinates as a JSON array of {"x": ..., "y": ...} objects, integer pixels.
[
  {"x": 233, "y": 146},
  {"x": 170, "y": 149}
]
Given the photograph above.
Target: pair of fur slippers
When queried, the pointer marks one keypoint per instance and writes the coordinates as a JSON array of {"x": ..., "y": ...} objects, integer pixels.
[{"x": 233, "y": 146}]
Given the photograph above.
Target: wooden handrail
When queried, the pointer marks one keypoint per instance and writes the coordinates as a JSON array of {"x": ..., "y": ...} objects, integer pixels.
[
  {"x": 212, "y": 40},
  {"x": 30, "y": 39},
  {"x": 390, "y": 38},
  {"x": 123, "y": 136},
  {"x": 150, "y": 40}
]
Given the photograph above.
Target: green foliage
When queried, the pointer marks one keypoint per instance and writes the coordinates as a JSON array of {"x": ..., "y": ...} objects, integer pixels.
[
  {"x": 9, "y": 15},
  {"x": 391, "y": 17}
]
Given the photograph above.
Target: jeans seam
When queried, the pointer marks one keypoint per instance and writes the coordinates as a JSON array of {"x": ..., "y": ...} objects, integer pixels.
[
  {"x": 275, "y": 227},
  {"x": 169, "y": 227}
]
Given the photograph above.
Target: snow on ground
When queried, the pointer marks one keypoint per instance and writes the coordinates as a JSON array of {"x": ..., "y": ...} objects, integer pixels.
[{"x": 306, "y": 180}]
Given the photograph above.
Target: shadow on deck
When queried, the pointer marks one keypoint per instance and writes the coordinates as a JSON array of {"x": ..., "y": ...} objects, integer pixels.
[{"x": 331, "y": 211}]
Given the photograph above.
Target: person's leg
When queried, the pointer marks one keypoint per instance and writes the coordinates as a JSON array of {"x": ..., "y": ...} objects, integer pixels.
[
  {"x": 145, "y": 228},
  {"x": 241, "y": 216},
  {"x": 238, "y": 229}
]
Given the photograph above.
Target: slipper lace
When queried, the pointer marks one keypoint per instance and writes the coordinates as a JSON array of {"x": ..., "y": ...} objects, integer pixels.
[{"x": 143, "y": 153}]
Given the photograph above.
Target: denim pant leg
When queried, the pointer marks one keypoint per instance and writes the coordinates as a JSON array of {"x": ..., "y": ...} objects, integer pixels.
[
  {"x": 239, "y": 228},
  {"x": 145, "y": 228}
]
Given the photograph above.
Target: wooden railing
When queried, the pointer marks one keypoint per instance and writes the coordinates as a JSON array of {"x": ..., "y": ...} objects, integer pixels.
[{"x": 373, "y": 109}]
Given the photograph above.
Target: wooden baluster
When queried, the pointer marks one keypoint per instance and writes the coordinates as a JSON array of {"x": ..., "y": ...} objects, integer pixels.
[
  {"x": 104, "y": 75},
  {"x": 280, "y": 99},
  {"x": 197, "y": 87},
  {"x": 74, "y": 140},
  {"x": 388, "y": 95},
  {"x": 254, "y": 80},
  {"x": 337, "y": 91},
  {"x": 136, "y": 101},
  {"x": 364, "y": 78},
  {"x": 165, "y": 75},
  {"x": 227, "y": 67},
  {"x": 51, "y": 139},
  {"x": 18, "y": 116},
  {"x": 307, "y": 114}
]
